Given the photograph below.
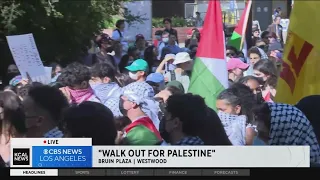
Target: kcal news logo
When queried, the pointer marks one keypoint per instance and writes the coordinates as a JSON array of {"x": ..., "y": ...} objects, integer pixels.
[{"x": 21, "y": 156}]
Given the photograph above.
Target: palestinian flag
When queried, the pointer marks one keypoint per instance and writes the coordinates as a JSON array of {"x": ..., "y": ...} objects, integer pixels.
[
  {"x": 238, "y": 35},
  {"x": 209, "y": 74}
]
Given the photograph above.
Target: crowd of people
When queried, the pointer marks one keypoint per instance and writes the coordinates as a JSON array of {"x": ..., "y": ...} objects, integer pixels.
[{"x": 137, "y": 94}]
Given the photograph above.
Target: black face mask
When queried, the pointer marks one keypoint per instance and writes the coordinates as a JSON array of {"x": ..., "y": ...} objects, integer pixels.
[
  {"x": 162, "y": 129},
  {"x": 109, "y": 49},
  {"x": 259, "y": 98},
  {"x": 121, "y": 108}
]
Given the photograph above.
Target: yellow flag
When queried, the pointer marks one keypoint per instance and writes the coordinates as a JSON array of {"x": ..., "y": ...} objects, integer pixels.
[{"x": 300, "y": 75}]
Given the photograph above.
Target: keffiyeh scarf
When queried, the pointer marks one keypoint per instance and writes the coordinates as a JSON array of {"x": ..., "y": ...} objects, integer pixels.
[
  {"x": 80, "y": 95},
  {"x": 289, "y": 126},
  {"x": 105, "y": 91},
  {"x": 235, "y": 127}
]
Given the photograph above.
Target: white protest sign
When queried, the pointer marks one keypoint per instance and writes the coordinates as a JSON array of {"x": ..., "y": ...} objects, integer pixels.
[
  {"x": 285, "y": 24},
  {"x": 144, "y": 10},
  {"x": 26, "y": 56}
]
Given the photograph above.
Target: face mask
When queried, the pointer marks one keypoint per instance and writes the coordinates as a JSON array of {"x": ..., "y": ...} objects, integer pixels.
[
  {"x": 121, "y": 108},
  {"x": 259, "y": 97},
  {"x": 133, "y": 76},
  {"x": 165, "y": 40},
  {"x": 109, "y": 49}
]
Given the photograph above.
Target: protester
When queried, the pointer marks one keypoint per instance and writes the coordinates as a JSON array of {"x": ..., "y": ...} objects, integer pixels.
[
  {"x": 309, "y": 106},
  {"x": 142, "y": 130},
  {"x": 56, "y": 69},
  {"x": 164, "y": 42},
  {"x": 158, "y": 38},
  {"x": 168, "y": 28},
  {"x": 138, "y": 71},
  {"x": 140, "y": 44},
  {"x": 267, "y": 72},
  {"x": 254, "y": 84},
  {"x": 156, "y": 80},
  {"x": 231, "y": 52},
  {"x": 150, "y": 55},
  {"x": 104, "y": 85},
  {"x": 105, "y": 44},
  {"x": 174, "y": 48},
  {"x": 126, "y": 60},
  {"x": 181, "y": 126},
  {"x": 13, "y": 124},
  {"x": 183, "y": 64},
  {"x": 123, "y": 79},
  {"x": 276, "y": 28},
  {"x": 118, "y": 34},
  {"x": 43, "y": 108},
  {"x": 172, "y": 88},
  {"x": 236, "y": 68},
  {"x": 239, "y": 100},
  {"x": 212, "y": 132},
  {"x": 283, "y": 124},
  {"x": 118, "y": 52},
  {"x": 199, "y": 21},
  {"x": 91, "y": 120},
  {"x": 77, "y": 89}
]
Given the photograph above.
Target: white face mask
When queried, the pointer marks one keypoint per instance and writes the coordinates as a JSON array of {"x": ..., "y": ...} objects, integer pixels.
[
  {"x": 133, "y": 76},
  {"x": 165, "y": 40}
]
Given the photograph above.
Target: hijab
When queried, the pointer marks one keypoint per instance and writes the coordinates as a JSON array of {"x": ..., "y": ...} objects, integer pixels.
[
  {"x": 289, "y": 126},
  {"x": 176, "y": 84}
]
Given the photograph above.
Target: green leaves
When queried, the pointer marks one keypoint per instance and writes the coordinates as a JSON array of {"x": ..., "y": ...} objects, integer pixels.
[{"x": 63, "y": 29}]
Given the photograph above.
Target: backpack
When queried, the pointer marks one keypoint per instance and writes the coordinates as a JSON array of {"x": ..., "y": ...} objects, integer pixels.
[{"x": 119, "y": 33}]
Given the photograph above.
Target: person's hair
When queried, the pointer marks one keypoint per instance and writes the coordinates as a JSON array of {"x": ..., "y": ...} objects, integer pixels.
[
  {"x": 262, "y": 115},
  {"x": 103, "y": 70},
  {"x": 197, "y": 13},
  {"x": 150, "y": 57},
  {"x": 191, "y": 112},
  {"x": 125, "y": 59},
  {"x": 267, "y": 67},
  {"x": 174, "y": 90},
  {"x": 264, "y": 34},
  {"x": 272, "y": 35},
  {"x": 50, "y": 99},
  {"x": 158, "y": 33},
  {"x": 54, "y": 65},
  {"x": 275, "y": 17},
  {"x": 120, "y": 22},
  {"x": 74, "y": 74},
  {"x": 212, "y": 132},
  {"x": 309, "y": 106},
  {"x": 240, "y": 94},
  {"x": 13, "y": 114},
  {"x": 121, "y": 122},
  {"x": 165, "y": 32},
  {"x": 123, "y": 79},
  {"x": 164, "y": 52},
  {"x": 232, "y": 48},
  {"x": 91, "y": 120},
  {"x": 254, "y": 50},
  {"x": 167, "y": 20},
  {"x": 245, "y": 79}
]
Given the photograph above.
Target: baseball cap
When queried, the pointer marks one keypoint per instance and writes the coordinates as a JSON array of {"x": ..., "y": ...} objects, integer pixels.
[
  {"x": 234, "y": 63},
  {"x": 138, "y": 65},
  {"x": 155, "y": 77}
]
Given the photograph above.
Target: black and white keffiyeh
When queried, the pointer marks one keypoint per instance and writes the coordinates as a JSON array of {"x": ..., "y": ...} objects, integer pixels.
[
  {"x": 235, "y": 127},
  {"x": 289, "y": 126}
]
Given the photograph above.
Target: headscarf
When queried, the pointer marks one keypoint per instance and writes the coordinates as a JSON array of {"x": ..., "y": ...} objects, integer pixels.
[
  {"x": 310, "y": 107},
  {"x": 289, "y": 126},
  {"x": 142, "y": 89},
  {"x": 176, "y": 84},
  {"x": 104, "y": 91},
  {"x": 80, "y": 95},
  {"x": 148, "y": 105},
  {"x": 235, "y": 127}
]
